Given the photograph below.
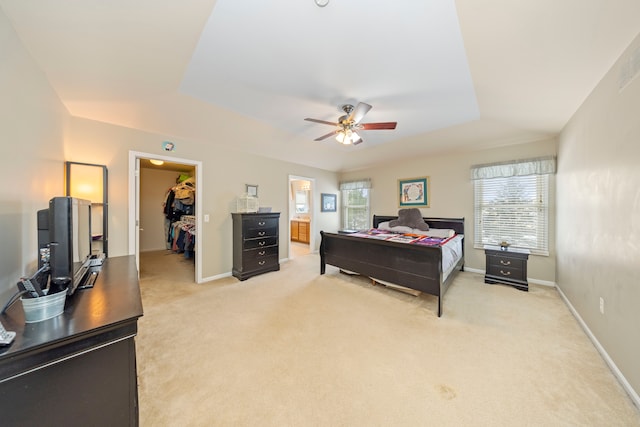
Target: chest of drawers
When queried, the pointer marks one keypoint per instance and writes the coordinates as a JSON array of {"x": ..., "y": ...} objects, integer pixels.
[
  {"x": 507, "y": 266},
  {"x": 255, "y": 244}
]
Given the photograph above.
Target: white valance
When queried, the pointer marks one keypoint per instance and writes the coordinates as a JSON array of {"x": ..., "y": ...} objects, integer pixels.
[
  {"x": 356, "y": 185},
  {"x": 535, "y": 166}
]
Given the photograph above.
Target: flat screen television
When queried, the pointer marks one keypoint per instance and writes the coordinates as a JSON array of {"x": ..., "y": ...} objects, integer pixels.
[{"x": 65, "y": 227}]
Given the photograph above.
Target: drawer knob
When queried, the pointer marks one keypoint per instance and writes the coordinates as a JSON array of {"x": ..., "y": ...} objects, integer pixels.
[
  {"x": 262, "y": 243},
  {"x": 261, "y": 253},
  {"x": 503, "y": 262},
  {"x": 261, "y": 233},
  {"x": 261, "y": 223},
  {"x": 508, "y": 273},
  {"x": 262, "y": 262}
]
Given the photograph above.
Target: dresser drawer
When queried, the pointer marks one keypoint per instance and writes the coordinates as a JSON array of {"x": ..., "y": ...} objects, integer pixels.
[
  {"x": 252, "y": 233},
  {"x": 261, "y": 262},
  {"x": 260, "y": 253},
  {"x": 259, "y": 223},
  {"x": 260, "y": 243}
]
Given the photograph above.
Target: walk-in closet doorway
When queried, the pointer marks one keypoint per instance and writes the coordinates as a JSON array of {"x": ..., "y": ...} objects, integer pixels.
[{"x": 149, "y": 184}]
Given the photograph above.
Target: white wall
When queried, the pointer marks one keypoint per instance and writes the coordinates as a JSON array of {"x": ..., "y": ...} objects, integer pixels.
[
  {"x": 599, "y": 216},
  {"x": 32, "y": 124},
  {"x": 452, "y": 193}
]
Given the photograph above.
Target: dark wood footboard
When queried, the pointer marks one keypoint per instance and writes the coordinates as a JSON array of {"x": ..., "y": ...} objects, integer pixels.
[{"x": 412, "y": 266}]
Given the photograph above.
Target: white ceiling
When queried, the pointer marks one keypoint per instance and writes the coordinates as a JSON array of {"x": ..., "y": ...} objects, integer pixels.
[{"x": 454, "y": 75}]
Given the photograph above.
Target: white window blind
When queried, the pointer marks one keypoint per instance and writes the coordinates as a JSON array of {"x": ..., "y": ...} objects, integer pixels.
[
  {"x": 355, "y": 204},
  {"x": 512, "y": 204}
]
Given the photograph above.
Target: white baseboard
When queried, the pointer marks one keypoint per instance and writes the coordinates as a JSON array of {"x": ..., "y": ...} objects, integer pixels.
[
  {"x": 530, "y": 280},
  {"x": 216, "y": 277},
  {"x": 541, "y": 282},
  {"x": 228, "y": 274},
  {"x": 614, "y": 369}
]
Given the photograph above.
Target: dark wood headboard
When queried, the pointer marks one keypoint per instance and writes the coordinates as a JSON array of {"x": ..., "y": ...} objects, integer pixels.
[{"x": 456, "y": 224}]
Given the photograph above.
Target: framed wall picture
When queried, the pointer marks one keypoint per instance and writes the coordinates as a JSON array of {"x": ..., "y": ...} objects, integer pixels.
[
  {"x": 252, "y": 190},
  {"x": 328, "y": 202},
  {"x": 414, "y": 192}
]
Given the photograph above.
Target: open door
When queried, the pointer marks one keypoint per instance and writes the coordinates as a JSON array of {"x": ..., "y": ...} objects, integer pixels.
[
  {"x": 134, "y": 203},
  {"x": 137, "y": 213},
  {"x": 301, "y": 189}
]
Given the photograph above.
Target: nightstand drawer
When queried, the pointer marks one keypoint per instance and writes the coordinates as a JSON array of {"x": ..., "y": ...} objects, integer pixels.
[
  {"x": 502, "y": 271},
  {"x": 505, "y": 261}
]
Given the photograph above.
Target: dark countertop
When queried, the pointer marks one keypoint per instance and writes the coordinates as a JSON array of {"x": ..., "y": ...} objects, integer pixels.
[{"x": 107, "y": 312}]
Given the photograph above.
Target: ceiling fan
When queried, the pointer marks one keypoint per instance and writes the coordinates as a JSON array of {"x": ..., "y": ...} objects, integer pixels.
[{"x": 348, "y": 125}]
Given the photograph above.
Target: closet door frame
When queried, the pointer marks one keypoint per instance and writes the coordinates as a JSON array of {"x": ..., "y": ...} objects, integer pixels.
[{"x": 134, "y": 204}]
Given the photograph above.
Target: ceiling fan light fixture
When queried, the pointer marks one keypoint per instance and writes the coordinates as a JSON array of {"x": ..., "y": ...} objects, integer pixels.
[
  {"x": 347, "y": 137},
  {"x": 355, "y": 138},
  {"x": 321, "y": 3},
  {"x": 341, "y": 137}
]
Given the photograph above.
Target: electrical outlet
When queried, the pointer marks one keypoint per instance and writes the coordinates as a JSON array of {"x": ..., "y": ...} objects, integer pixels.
[{"x": 601, "y": 305}]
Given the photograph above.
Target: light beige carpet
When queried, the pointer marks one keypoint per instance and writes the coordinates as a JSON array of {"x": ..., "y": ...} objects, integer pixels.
[{"x": 293, "y": 348}]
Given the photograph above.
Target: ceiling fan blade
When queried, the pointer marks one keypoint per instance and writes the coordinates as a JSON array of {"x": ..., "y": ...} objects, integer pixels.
[
  {"x": 324, "y": 122},
  {"x": 326, "y": 136},
  {"x": 358, "y": 113},
  {"x": 377, "y": 126}
]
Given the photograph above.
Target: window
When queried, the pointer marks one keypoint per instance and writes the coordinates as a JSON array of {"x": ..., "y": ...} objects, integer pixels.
[
  {"x": 512, "y": 204},
  {"x": 355, "y": 204}
]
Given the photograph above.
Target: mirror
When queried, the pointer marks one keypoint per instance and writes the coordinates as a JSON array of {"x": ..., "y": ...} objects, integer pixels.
[{"x": 302, "y": 201}]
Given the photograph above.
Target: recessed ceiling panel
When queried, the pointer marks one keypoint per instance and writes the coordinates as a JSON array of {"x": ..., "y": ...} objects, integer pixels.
[{"x": 281, "y": 61}]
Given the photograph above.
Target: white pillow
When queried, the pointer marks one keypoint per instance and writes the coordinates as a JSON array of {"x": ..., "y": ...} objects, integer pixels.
[
  {"x": 398, "y": 229},
  {"x": 442, "y": 233}
]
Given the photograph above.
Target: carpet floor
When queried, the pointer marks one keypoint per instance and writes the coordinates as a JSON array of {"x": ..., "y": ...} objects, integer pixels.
[{"x": 294, "y": 348}]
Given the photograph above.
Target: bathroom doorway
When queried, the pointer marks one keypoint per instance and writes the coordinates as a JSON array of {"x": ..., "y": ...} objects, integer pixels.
[{"x": 301, "y": 220}]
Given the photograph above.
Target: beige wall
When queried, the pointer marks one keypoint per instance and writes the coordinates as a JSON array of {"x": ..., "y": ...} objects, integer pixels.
[
  {"x": 225, "y": 173},
  {"x": 452, "y": 194},
  {"x": 598, "y": 201},
  {"x": 599, "y": 216},
  {"x": 32, "y": 124}
]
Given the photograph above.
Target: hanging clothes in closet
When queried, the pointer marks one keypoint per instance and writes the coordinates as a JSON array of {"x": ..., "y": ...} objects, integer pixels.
[{"x": 179, "y": 207}]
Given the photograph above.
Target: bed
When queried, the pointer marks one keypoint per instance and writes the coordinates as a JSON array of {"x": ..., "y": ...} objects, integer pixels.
[{"x": 414, "y": 266}]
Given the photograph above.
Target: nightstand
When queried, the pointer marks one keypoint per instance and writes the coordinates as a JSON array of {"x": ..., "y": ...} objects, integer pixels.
[{"x": 507, "y": 266}]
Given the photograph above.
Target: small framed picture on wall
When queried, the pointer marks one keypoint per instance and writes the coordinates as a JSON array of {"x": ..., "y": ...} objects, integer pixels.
[
  {"x": 252, "y": 190},
  {"x": 328, "y": 202},
  {"x": 414, "y": 192}
]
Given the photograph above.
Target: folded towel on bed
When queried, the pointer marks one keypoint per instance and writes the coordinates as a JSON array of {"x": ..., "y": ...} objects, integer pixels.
[{"x": 410, "y": 218}]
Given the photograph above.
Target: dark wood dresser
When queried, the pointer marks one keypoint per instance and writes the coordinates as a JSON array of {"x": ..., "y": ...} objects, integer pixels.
[
  {"x": 78, "y": 368},
  {"x": 507, "y": 266},
  {"x": 255, "y": 244}
]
